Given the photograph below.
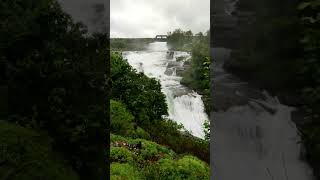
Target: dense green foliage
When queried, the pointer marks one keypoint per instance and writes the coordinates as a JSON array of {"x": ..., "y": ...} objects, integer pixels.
[
  {"x": 129, "y": 44},
  {"x": 120, "y": 154},
  {"x": 173, "y": 135},
  {"x": 152, "y": 161},
  {"x": 179, "y": 39},
  {"x": 280, "y": 52},
  {"x": 310, "y": 40},
  {"x": 197, "y": 76},
  {"x": 187, "y": 167},
  {"x": 142, "y": 98},
  {"x": 141, "y": 95},
  {"x": 126, "y": 171},
  {"x": 121, "y": 119},
  {"x": 268, "y": 46},
  {"x": 122, "y": 122},
  {"x": 26, "y": 154},
  {"x": 183, "y": 40},
  {"x": 206, "y": 127},
  {"x": 55, "y": 73}
]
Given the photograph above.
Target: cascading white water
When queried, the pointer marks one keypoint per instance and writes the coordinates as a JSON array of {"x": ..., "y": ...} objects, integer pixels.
[
  {"x": 252, "y": 142},
  {"x": 184, "y": 106},
  {"x": 255, "y": 138}
]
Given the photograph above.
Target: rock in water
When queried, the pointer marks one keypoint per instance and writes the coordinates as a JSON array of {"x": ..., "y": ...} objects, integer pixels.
[{"x": 170, "y": 54}]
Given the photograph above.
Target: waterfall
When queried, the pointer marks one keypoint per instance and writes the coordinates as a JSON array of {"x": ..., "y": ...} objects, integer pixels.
[
  {"x": 185, "y": 106},
  {"x": 254, "y": 135}
]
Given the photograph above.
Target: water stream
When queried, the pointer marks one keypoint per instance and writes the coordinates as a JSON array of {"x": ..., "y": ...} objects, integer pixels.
[
  {"x": 254, "y": 135},
  {"x": 184, "y": 105}
]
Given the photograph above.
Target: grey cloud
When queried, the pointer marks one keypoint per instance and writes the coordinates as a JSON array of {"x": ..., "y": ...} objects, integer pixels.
[
  {"x": 146, "y": 18},
  {"x": 93, "y": 13}
]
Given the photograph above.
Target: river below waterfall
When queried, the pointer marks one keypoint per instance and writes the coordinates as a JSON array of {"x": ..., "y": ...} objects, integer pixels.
[
  {"x": 184, "y": 105},
  {"x": 253, "y": 133}
]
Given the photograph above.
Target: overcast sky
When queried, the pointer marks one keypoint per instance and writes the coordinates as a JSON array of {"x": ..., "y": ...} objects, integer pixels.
[
  {"x": 147, "y": 18},
  {"x": 93, "y": 13}
]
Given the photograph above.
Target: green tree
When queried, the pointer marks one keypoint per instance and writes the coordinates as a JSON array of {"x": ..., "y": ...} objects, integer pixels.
[
  {"x": 142, "y": 95},
  {"x": 27, "y": 154},
  {"x": 206, "y": 126},
  {"x": 121, "y": 119},
  {"x": 178, "y": 38},
  {"x": 56, "y": 79},
  {"x": 310, "y": 72},
  {"x": 197, "y": 76}
]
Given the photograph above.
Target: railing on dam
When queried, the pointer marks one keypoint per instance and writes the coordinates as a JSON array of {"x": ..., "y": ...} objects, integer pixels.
[{"x": 161, "y": 38}]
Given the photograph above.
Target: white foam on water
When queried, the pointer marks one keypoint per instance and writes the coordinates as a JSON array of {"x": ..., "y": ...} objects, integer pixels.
[
  {"x": 256, "y": 141},
  {"x": 187, "y": 109}
]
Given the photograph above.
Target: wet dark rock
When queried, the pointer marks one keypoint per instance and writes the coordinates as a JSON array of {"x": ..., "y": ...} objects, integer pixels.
[
  {"x": 169, "y": 54},
  {"x": 297, "y": 117},
  {"x": 180, "y": 58},
  {"x": 267, "y": 108},
  {"x": 180, "y": 71},
  {"x": 181, "y": 91},
  {"x": 290, "y": 99},
  {"x": 187, "y": 63},
  {"x": 168, "y": 72},
  {"x": 173, "y": 64}
]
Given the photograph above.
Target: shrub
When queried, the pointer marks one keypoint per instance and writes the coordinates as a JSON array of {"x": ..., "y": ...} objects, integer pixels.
[
  {"x": 25, "y": 154},
  {"x": 153, "y": 161},
  {"x": 121, "y": 119},
  {"x": 121, "y": 155},
  {"x": 140, "y": 133},
  {"x": 124, "y": 171},
  {"x": 190, "y": 167},
  {"x": 141, "y": 94},
  {"x": 170, "y": 133},
  {"x": 150, "y": 151},
  {"x": 187, "y": 167},
  {"x": 56, "y": 76}
]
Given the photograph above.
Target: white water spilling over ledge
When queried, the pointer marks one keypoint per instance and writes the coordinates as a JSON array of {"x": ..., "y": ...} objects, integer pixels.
[
  {"x": 254, "y": 135},
  {"x": 185, "y": 106}
]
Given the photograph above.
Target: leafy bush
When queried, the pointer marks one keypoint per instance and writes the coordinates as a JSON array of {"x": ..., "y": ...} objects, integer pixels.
[
  {"x": 197, "y": 76},
  {"x": 122, "y": 122},
  {"x": 140, "y": 133},
  {"x": 142, "y": 95},
  {"x": 124, "y": 171},
  {"x": 56, "y": 80},
  {"x": 171, "y": 134},
  {"x": 149, "y": 151},
  {"x": 192, "y": 168},
  {"x": 25, "y": 154},
  {"x": 121, "y": 119},
  {"x": 153, "y": 161},
  {"x": 310, "y": 72},
  {"x": 120, "y": 154},
  {"x": 178, "y": 38},
  {"x": 206, "y": 126},
  {"x": 188, "y": 167}
]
